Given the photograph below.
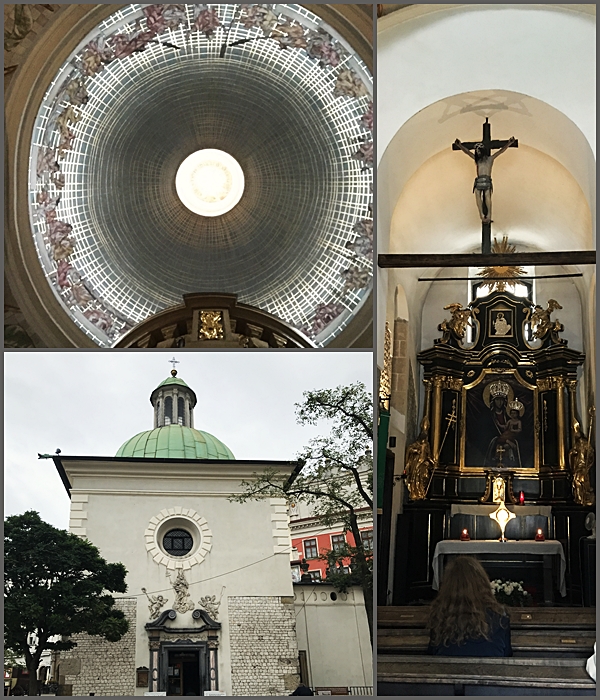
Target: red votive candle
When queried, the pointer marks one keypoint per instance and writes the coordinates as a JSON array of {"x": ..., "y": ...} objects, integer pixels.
[
  {"x": 521, "y": 498},
  {"x": 464, "y": 535},
  {"x": 539, "y": 535}
]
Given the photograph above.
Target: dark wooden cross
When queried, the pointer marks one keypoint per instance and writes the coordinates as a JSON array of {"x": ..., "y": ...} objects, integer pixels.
[{"x": 489, "y": 144}]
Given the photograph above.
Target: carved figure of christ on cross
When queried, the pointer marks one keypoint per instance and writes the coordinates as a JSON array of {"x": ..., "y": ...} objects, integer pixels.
[{"x": 484, "y": 160}]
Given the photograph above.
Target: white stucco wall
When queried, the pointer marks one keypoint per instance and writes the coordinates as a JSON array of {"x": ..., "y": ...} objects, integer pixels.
[
  {"x": 250, "y": 543},
  {"x": 335, "y": 635},
  {"x": 428, "y": 52}
]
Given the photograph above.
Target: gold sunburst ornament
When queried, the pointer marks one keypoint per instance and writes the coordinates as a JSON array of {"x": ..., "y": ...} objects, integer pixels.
[{"x": 511, "y": 271}]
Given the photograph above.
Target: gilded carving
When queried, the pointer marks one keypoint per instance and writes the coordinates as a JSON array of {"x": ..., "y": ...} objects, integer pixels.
[
  {"x": 211, "y": 325},
  {"x": 156, "y": 602},
  {"x": 385, "y": 380},
  {"x": 419, "y": 462},
  {"x": 544, "y": 384},
  {"x": 499, "y": 490},
  {"x": 581, "y": 460},
  {"x": 457, "y": 324},
  {"x": 541, "y": 324},
  {"x": 454, "y": 383},
  {"x": 491, "y": 273}
]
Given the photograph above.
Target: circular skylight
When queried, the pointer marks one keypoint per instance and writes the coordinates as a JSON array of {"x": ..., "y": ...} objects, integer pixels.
[
  {"x": 273, "y": 88},
  {"x": 210, "y": 182}
]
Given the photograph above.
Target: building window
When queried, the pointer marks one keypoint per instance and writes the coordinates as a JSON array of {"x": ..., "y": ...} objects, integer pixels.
[
  {"x": 315, "y": 575},
  {"x": 367, "y": 539},
  {"x": 177, "y": 543},
  {"x": 310, "y": 549},
  {"x": 168, "y": 410},
  {"x": 338, "y": 542},
  {"x": 180, "y": 411}
]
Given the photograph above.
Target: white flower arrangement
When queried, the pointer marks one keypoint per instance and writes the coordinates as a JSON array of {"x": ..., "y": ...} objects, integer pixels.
[{"x": 510, "y": 592}]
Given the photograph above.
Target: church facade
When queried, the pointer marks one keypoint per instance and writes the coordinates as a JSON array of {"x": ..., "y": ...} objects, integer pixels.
[{"x": 210, "y": 600}]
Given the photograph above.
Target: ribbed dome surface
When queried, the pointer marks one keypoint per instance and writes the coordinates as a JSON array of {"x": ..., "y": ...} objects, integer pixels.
[
  {"x": 175, "y": 442},
  {"x": 284, "y": 246},
  {"x": 173, "y": 380}
]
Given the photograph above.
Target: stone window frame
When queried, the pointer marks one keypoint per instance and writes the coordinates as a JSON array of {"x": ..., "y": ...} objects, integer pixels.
[{"x": 175, "y": 518}]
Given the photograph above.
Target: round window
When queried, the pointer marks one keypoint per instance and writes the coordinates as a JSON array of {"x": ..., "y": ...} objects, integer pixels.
[{"x": 178, "y": 543}]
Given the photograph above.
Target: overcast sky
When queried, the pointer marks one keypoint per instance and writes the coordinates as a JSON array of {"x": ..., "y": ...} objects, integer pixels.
[{"x": 90, "y": 403}]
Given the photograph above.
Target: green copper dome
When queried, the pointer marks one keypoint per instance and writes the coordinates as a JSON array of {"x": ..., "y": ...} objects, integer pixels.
[
  {"x": 172, "y": 380},
  {"x": 175, "y": 442}
]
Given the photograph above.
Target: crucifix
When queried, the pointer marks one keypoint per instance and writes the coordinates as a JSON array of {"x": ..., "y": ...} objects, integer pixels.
[
  {"x": 174, "y": 362},
  {"x": 484, "y": 159}
]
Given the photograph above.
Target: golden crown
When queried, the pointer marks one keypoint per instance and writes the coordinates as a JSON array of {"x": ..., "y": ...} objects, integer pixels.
[
  {"x": 499, "y": 389},
  {"x": 515, "y": 405}
]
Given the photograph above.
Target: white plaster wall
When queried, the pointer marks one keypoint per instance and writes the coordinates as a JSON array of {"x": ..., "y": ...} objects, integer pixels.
[
  {"x": 335, "y": 635},
  {"x": 441, "y": 70},
  {"x": 536, "y": 203},
  {"x": 242, "y": 557},
  {"x": 546, "y": 51}
]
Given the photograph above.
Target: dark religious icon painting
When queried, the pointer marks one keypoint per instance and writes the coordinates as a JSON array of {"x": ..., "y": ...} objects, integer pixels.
[
  {"x": 199, "y": 176},
  {"x": 499, "y": 422}
]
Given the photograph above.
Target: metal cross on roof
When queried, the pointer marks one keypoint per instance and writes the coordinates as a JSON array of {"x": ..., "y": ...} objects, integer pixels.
[{"x": 174, "y": 362}]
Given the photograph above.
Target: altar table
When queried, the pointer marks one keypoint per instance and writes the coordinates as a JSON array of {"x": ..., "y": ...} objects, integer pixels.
[{"x": 547, "y": 549}]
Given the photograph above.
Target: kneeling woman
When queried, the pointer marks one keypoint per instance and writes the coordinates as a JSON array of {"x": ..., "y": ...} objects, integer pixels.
[{"x": 465, "y": 618}]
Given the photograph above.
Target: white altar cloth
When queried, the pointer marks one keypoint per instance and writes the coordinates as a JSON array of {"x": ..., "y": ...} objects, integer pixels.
[{"x": 551, "y": 547}]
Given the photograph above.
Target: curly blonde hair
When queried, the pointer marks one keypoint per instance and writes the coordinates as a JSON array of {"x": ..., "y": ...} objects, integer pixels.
[{"x": 461, "y": 609}]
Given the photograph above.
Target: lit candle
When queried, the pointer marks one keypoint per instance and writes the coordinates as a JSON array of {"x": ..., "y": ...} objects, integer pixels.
[
  {"x": 539, "y": 535},
  {"x": 521, "y": 498},
  {"x": 464, "y": 535}
]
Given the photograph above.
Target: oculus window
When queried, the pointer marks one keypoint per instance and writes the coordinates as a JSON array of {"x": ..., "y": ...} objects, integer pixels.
[{"x": 178, "y": 543}]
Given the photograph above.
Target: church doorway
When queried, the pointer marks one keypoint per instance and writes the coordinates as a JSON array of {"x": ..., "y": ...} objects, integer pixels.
[{"x": 185, "y": 669}]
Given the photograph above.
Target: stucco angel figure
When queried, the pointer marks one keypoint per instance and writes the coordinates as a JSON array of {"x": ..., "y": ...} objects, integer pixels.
[
  {"x": 581, "y": 460},
  {"x": 419, "y": 462},
  {"x": 540, "y": 319},
  {"x": 211, "y": 604},
  {"x": 65, "y": 119},
  {"x": 156, "y": 603},
  {"x": 482, "y": 186}
]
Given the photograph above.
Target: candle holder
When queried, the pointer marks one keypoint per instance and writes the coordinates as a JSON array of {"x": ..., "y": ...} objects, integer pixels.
[
  {"x": 539, "y": 535},
  {"x": 464, "y": 536}
]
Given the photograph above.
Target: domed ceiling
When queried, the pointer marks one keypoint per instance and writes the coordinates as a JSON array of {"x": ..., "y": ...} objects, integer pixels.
[{"x": 272, "y": 86}]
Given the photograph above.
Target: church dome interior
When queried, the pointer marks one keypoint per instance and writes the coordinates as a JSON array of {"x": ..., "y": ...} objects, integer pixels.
[{"x": 280, "y": 92}]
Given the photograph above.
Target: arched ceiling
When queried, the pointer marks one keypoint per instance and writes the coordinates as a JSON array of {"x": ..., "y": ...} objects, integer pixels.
[
  {"x": 527, "y": 203},
  {"x": 288, "y": 104}
]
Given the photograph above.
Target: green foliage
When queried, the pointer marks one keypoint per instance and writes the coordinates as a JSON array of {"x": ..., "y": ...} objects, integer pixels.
[
  {"x": 335, "y": 472},
  {"x": 56, "y": 584},
  {"x": 360, "y": 569},
  {"x": 334, "y": 476},
  {"x": 12, "y": 660}
]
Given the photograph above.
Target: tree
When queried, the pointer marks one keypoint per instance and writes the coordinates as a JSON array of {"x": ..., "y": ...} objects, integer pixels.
[
  {"x": 55, "y": 584},
  {"x": 334, "y": 474}
]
